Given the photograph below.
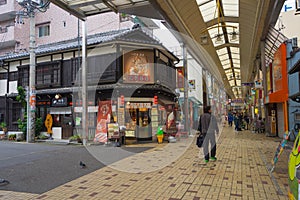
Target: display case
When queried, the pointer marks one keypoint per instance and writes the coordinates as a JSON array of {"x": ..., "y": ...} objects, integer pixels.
[{"x": 130, "y": 122}]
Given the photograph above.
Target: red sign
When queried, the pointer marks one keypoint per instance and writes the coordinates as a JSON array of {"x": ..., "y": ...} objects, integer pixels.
[
  {"x": 180, "y": 78},
  {"x": 104, "y": 114}
]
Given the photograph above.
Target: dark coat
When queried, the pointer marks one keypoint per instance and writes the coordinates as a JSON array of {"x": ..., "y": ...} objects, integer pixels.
[{"x": 208, "y": 124}]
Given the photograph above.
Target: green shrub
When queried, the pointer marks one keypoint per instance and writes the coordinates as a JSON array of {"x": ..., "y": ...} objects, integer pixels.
[{"x": 12, "y": 137}]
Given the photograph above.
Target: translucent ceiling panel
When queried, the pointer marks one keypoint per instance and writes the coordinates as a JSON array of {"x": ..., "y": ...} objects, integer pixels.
[
  {"x": 231, "y": 8},
  {"x": 225, "y": 62},
  {"x": 235, "y": 50},
  {"x": 238, "y": 71},
  {"x": 222, "y": 51},
  {"x": 232, "y": 83},
  {"x": 235, "y": 56},
  {"x": 207, "y": 9},
  {"x": 227, "y": 67}
]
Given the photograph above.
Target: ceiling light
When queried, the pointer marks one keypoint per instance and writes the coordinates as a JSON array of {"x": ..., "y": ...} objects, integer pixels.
[
  {"x": 204, "y": 39},
  {"x": 219, "y": 39},
  {"x": 234, "y": 36}
]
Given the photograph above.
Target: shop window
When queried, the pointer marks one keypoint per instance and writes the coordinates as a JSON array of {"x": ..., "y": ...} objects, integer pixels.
[
  {"x": 131, "y": 119},
  {"x": 144, "y": 117}
]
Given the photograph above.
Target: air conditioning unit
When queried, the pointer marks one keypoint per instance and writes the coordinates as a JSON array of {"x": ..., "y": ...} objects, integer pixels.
[{"x": 20, "y": 2}]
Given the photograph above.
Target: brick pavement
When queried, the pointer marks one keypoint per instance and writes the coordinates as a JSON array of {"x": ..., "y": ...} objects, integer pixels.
[{"x": 175, "y": 171}]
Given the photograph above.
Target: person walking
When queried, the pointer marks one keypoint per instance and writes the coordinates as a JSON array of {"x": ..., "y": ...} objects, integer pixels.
[
  {"x": 230, "y": 118},
  {"x": 208, "y": 126}
]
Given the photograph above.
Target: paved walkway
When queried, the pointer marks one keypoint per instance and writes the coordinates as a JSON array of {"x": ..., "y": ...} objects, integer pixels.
[{"x": 177, "y": 171}]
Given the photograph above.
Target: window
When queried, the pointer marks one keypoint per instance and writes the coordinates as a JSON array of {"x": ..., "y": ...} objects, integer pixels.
[
  {"x": 23, "y": 78},
  {"x": 16, "y": 111},
  {"x": 75, "y": 73},
  {"x": 48, "y": 74},
  {"x": 44, "y": 30},
  {"x": 3, "y": 76},
  {"x": 3, "y": 2},
  {"x": 3, "y": 30},
  {"x": 13, "y": 76}
]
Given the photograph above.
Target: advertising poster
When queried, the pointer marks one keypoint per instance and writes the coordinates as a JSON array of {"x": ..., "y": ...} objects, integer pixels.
[
  {"x": 104, "y": 114},
  {"x": 138, "y": 66},
  {"x": 279, "y": 65},
  {"x": 192, "y": 85},
  {"x": 268, "y": 77}
]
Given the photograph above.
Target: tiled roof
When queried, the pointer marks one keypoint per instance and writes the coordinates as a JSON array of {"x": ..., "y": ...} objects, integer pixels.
[{"x": 91, "y": 40}]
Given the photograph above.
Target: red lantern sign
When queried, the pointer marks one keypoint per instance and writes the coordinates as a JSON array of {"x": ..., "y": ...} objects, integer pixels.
[{"x": 155, "y": 101}]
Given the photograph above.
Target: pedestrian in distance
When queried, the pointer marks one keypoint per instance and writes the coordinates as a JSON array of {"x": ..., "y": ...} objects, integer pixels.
[
  {"x": 208, "y": 127},
  {"x": 230, "y": 118}
]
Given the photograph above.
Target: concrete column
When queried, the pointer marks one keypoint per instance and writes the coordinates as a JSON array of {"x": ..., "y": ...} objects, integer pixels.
[{"x": 186, "y": 106}]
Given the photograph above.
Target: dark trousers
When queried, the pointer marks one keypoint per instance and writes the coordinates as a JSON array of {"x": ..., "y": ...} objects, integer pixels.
[{"x": 209, "y": 138}]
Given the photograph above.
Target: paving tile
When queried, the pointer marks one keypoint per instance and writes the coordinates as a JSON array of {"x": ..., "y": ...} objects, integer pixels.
[{"x": 239, "y": 173}]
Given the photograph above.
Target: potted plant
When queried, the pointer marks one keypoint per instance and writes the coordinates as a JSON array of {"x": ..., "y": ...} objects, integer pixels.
[
  {"x": 12, "y": 137},
  {"x": 75, "y": 138},
  {"x": 3, "y": 127}
]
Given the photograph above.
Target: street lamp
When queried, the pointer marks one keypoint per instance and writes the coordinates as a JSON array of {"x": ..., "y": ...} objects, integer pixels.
[{"x": 30, "y": 8}]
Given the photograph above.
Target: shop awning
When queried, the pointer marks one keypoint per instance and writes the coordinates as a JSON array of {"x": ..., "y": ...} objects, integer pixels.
[
  {"x": 295, "y": 68},
  {"x": 61, "y": 110},
  {"x": 165, "y": 102}
]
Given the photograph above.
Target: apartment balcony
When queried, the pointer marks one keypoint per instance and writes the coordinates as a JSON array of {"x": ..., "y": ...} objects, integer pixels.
[{"x": 7, "y": 10}]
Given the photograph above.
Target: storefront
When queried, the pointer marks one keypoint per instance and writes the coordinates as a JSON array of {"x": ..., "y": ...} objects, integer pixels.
[
  {"x": 138, "y": 119},
  {"x": 61, "y": 112},
  {"x": 277, "y": 99},
  {"x": 130, "y": 64}
]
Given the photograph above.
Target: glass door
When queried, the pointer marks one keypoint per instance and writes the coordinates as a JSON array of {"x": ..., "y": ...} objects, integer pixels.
[{"x": 144, "y": 124}]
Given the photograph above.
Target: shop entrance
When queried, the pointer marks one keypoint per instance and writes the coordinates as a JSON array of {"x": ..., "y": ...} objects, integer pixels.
[
  {"x": 143, "y": 124},
  {"x": 62, "y": 122},
  {"x": 139, "y": 124}
]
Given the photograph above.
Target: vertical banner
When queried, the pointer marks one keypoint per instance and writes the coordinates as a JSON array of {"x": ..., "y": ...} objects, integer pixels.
[
  {"x": 104, "y": 114},
  {"x": 180, "y": 78}
]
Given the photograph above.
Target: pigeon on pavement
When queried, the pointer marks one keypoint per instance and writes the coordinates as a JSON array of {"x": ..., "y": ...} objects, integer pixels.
[
  {"x": 3, "y": 182},
  {"x": 82, "y": 165}
]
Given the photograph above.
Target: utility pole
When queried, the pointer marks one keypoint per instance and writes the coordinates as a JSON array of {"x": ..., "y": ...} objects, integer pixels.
[
  {"x": 85, "y": 127},
  {"x": 30, "y": 8}
]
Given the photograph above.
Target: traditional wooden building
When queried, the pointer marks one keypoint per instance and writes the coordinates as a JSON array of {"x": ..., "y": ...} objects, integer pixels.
[{"x": 128, "y": 70}]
